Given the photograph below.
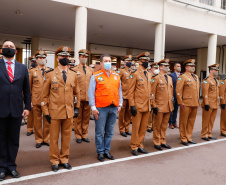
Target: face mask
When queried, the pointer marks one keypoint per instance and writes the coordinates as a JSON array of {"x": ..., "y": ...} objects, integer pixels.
[
  {"x": 83, "y": 60},
  {"x": 215, "y": 73},
  {"x": 42, "y": 62},
  {"x": 178, "y": 69},
  {"x": 128, "y": 64},
  {"x": 156, "y": 71},
  {"x": 145, "y": 64},
  {"x": 64, "y": 61},
  {"x": 34, "y": 64},
  {"x": 107, "y": 65},
  {"x": 191, "y": 69},
  {"x": 8, "y": 52},
  {"x": 165, "y": 69}
]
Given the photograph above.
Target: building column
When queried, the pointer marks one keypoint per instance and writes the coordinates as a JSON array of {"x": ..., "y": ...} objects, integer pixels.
[
  {"x": 212, "y": 49},
  {"x": 34, "y": 45},
  {"x": 158, "y": 42},
  {"x": 80, "y": 30}
]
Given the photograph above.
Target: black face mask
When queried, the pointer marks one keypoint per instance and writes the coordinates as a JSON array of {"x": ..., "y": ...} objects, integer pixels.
[
  {"x": 128, "y": 64},
  {"x": 145, "y": 64},
  {"x": 8, "y": 52},
  {"x": 64, "y": 61},
  {"x": 34, "y": 64}
]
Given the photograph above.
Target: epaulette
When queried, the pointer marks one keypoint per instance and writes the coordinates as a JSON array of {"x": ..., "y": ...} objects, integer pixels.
[
  {"x": 206, "y": 78},
  {"x": 49, "y": 70},
  {"x": 122, "y": 67},
  {"x": 134, "y": 71},
  {"x": 72, "y": 70},
  {"x": 155, "y": 75}
]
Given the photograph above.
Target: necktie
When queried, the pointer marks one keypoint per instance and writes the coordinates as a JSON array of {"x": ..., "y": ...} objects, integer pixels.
[
  {"x": 10, "y": 71},
  {"x": 166, "y": 78},
  {"x": 193, "y": 76},
  {"x": 215, "y": 80},
  {"x": 43, "y": 71},
  {"x": 64, "y": 76},
  {"x": 84, "y": 69},
  {"x": 145, "y": 73}
]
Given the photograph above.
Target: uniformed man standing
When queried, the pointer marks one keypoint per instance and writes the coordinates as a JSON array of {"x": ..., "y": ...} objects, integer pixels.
[
  {"x": 36, "y": 79},
  {"x": 125, "y": 115},
  {"x": 154, "y": 71},
  {"x": 30, "y": 118},
  {"x": 222, "y": 94},
  {"x": 84, "y": 74},
  {"x": 187, "y": 91},
  {"x": 210, "y": 103},
  {"x": 162, "y": 103},
  {"x": 60, "y": 87},
  {"x": 139, "y": 101}
]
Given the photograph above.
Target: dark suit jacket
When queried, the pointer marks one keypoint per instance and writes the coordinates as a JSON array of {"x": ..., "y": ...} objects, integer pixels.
[
  {"x": 13, "y": 94},
  {"x": 174, "y": 77}
]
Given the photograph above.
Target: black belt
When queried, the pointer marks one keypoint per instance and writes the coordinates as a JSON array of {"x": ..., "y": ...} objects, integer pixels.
[{"x": 112, "y": 105}]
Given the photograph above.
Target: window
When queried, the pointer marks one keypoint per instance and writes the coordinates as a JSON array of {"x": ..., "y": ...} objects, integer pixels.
[
  {"x": 223, "y": 4},
  {"x": 208, "y": 2}
]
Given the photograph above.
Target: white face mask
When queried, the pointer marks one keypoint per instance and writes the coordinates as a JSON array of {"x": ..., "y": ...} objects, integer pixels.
[
  {"x": 42, "y": 62},
  {"x": 156, "y": 71},
  {"x": 178, "y": 69},
  {"x": 83, "y": 60}
]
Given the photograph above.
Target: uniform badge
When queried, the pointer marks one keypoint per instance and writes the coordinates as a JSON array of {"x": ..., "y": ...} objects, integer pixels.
[
  {"x": 115, "y": 78},
  {"x": 222, "y": 82},
  {"x": 152, "y": 80},
  {"x": 126, "y": 73},
  {"x": 42, "y": 103},
  {"x": 205, "y": 82},
  {"x": 78, "y": 73},
  {"x": 131, "y": 76},
  {"x": 118, "y": 71},
  {"x": 179, "y": 78},
  {"x": 100, "y": 79},
  {"x": 127, "y": 78}
]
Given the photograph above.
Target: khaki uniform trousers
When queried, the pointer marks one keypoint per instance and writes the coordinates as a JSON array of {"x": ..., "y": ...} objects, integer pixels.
[
  {"x": 186, "y": 123},
  {"x": 65, "y": 126},
  {"x": 223, "y": 121},
  {"x": 208, "y": 118},
  {"x": 81, "y": 123},
  {"x": 139, "y": 126},
  {"x": 124, "y": 117},
  {"x": 41, "y": 132},
  {"x": 160, "y": 126},
  {"x": 151, "y": 120},
  {"x": 30, "y": 121}
]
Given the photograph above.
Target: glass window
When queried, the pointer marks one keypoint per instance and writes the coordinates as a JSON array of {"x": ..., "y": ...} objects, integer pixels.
[{"x": 208, "y": 2}]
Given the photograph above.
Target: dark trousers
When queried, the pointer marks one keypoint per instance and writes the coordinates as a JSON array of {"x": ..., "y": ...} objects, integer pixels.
[
  {"x": 173, "y": 115},
  {"x": 9, "y": 142}
]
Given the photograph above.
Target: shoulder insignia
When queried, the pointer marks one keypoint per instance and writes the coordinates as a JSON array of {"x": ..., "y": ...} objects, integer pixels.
[
  {"x": 222, "y": 82},
  {"x": 131, "y": 76},
  {"x": 152, "y": 80},
  {"x": 49, "y": 70},
  {"x": 179, "y": 78},
  {"x": 205, "y": 82}
]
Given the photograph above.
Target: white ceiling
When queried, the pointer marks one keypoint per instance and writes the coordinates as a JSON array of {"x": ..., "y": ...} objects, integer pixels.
[{"x": 56, "y": 21}]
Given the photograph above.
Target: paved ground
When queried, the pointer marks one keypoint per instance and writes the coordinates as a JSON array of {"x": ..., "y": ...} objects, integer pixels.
[{"x": 201, "y": 164}]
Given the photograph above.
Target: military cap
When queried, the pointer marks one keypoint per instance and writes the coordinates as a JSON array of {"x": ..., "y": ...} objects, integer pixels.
[
  {"x": 164, "y": 62},
  {"x": 214, "y": 66},
  {"x": 40, "y": 53},
  {"x": 190, "y": 62},
  {"x": 92, "y": 65},
  {"x": 127, "y": 57},
  {"x": 63, "y": 51},
  {"x": 144, "y": 56},
  {"x": 154, "y": 65},
  {"x": 84, "y": 52},
  {"x": 32, "y": 58},
  {"x": 72, "y": 60}
]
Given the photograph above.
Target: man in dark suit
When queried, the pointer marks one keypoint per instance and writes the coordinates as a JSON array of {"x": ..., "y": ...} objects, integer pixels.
[
  {"x": 173, "y": 115},
  {"x": 15, "y": 89}
]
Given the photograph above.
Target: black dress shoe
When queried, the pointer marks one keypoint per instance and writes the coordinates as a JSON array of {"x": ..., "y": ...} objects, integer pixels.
[
  {"x": 158, "y": 147},
  {"x": 192, "y": 142},
  {"x": 67, "y": 166},
  {"x": 109, "y": 156},
  {"x": 55, "y": 168},
  {"x": 47, "y": 144},
  {"x": 166, "y": 146},
  {"x": 205, "y": 138},
  {"x": 86, "y": 140},
  {"x": 143, "y": 151},
  {"x": 149, "y": 130},
  {"x": 38, "y": 145},
  {"x": 135, "y": 152},
  {"x": 129, "y": 133},
  {"x": 223, "y": 135},
  {"x": 2, "y": 176},
  {"x": 214, "y": 138},
  {"x": 15, "y": 174},
  {"x": 123, "y": 134},
  {"x": 100, "y": 157},
  {"x": 185, "y": 143},
  {"x": 29, "y": 133},
  {"x": 78, "y": 140}
]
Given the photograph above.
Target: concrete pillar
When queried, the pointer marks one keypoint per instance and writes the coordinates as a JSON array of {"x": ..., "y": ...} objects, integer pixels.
[
  {"x": 80, "y": 30},
  {"x": 158, "y": 42},
  {"x": 212, "y": 49},
  {"x": 34, "y": 45}
]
